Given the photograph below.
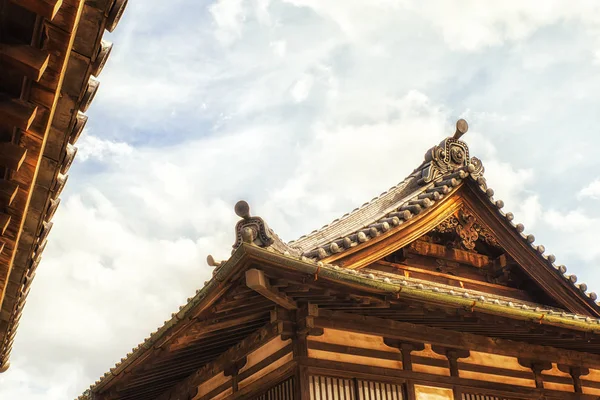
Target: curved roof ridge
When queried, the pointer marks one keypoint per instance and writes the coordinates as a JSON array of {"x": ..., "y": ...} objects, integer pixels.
[
  {"x": 376, "y": 206},
  {"x": 443, "y": 167}
]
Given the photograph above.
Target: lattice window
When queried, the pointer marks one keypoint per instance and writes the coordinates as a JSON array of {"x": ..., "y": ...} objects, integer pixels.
[
  {"x": 281, "y": 391},
  {"x": 331, "y": 388},
  {"x": 472, "y": 396},
  {"x": 369, "y": 390}
]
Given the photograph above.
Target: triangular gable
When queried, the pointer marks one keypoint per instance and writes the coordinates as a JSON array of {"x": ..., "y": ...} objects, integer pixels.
[
  {"x": 507, "y": 237},
  {"x": 447, "y": 181},
  {"x": 308, "y": 272},
  {"x": 461, "y": 252}
]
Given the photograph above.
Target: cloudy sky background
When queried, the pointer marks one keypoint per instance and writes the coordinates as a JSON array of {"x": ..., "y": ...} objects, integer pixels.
[{"x": 307, "y": 109}]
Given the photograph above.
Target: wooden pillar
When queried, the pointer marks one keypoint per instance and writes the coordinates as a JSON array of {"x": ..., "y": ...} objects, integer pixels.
[
  {"x": 576, "y": 374},
  {"x": 303, "y": 389},
  {"x": 406, "y": 348},
  {"x": 304, "y": 327},
  {"x": 233, "y": 370},
  {"x": 536, "y": 367},
  {"x": 452, "y": 355}
]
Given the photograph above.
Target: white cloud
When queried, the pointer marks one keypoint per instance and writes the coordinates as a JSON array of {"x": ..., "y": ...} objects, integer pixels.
[
  {"x": 229, "y": 17},
  {"x": 279, "y": 47},
  {"x": 573, "y": 221},
  {"x": 592, "y": 190},
  {"x": 301, "y": 88},
  {"x": 307, "y": 109},
  {"x": 471, "y": 25},
  {"x": 92, "y": 147}
]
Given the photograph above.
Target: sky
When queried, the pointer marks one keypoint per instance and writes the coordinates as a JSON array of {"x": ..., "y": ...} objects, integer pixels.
[{"x": 306, "y": 109}]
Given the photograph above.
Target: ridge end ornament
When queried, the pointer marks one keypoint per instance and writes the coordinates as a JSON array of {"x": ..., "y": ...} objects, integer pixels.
[
  {"x": 451, "y": 155},
  {"x": 250, "y": 229},
  {"x": 254, "y": 230}
]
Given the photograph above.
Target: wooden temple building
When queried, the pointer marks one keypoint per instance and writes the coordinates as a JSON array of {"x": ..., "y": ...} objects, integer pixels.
[
  {"x": 428, "y": 292},
  {"x": 51, "y": 52}
]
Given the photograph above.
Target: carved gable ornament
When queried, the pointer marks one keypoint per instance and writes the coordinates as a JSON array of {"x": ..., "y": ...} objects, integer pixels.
[
  {"x": 464, "y": 224},
  {"x": 451, "y": 155}
]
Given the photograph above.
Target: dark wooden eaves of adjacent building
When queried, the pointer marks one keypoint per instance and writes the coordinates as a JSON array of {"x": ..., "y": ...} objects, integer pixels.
[{"x": 50, "y": 53}]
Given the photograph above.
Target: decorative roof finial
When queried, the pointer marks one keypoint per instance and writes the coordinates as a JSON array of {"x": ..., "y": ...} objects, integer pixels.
[
  {"x": 210, "y": 260},
  {"x": 242, "y": 209},
  {"x": 448, "y": 157},
  {"x": 461, "y": 128},
  {"x": 254, "y": 230}
]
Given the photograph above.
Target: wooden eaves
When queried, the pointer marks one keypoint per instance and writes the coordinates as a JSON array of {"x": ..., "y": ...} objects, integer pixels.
[
  {"x": 330, "y": 271},
  {"x": 50, "y": 53},
  {"x": 250, "y": 257}
]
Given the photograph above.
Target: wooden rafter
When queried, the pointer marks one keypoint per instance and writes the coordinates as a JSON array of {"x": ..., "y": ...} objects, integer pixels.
[
  {"x": 8, "y": 191},
  {"x": 17, "y": 113},
  {"x": 45, "y": 8},
  {"x": 4, "y": 221},
  {"x": 443, "y": 337},
  {"x": 28, "y": 60},
  {"x": 257, "y": 281},
  {"x": 12, "y": 155}
]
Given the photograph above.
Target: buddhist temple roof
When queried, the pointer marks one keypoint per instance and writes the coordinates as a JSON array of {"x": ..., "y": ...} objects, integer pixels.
[
  {"x": 51, "y": 52},
  {"x": 325, "y": 259},
  {"x": 366, "y": 280}
]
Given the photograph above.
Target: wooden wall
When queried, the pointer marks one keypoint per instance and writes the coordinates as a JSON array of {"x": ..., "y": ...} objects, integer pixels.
[
  {"x": 319, "y": 358},
  {"x": 474, "y": 375},
  {"x": 272, "y": 356}
]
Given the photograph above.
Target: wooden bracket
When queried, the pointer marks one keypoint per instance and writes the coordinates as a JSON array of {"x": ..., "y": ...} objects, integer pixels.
[
  {"x": 452, "y": 355},
  {"x": 576, "y": 374},
  {"x": 257, "y": 281},
  {"x": 537, "y": 367},
  {"x": 406, "y": 348},
  {"x": 233, "y": 370}
]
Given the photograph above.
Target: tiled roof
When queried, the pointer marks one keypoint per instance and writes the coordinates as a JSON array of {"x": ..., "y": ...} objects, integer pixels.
[
  {"x": 55, "y": 54},
  {"x": 405, "y": 287},
  {"x": 409, "y": 198},
  {"x": 425, "y": 187}
]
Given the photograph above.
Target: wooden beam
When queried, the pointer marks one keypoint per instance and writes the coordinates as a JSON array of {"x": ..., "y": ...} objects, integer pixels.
[
  {"x": 4, "y": 221},
  {"x": 351, "y": 370},
  {"x": 15, "y": 112},
  {"x": 26, "y": 59},
  {"x": 242, "y": 349},
  {"x": 8, "y": 191},
  {"x": 257, "y": 281},
  {"x": 12, "y": 155},
  {"x": 45, "y": 8},
  {"x": 206, "y": 327},
  {"x": 442, "y": 337}
]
